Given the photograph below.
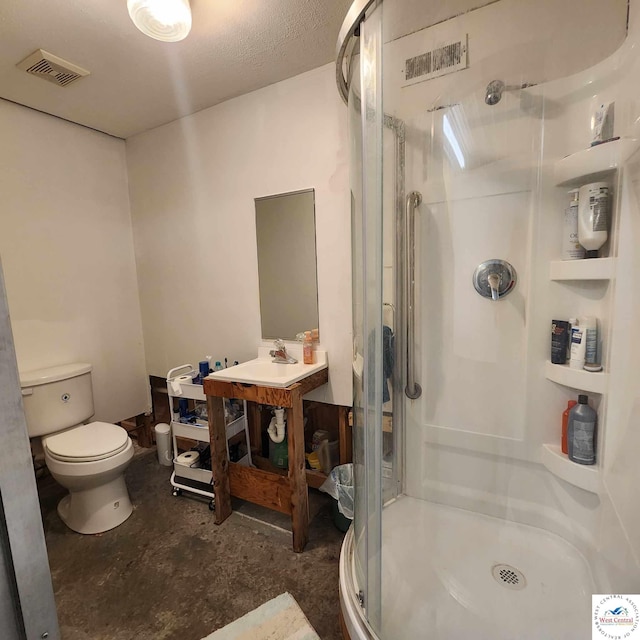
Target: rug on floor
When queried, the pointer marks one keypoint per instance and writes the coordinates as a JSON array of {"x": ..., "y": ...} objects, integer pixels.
[{"x": 278, "y": 619}]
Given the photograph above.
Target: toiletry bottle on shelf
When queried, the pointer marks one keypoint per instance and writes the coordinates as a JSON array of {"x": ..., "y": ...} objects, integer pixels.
[
  {"x": 571, "y": 247},
  {"x": 602, "y": 127},
  {"x": 218, "y": 366},
  {"x": 307, "y": 348},
  {"x": 573, "y": 322},
  {"x": 565, "y": 425},
  {"x": 183, "y": 407},
  {"x": 203, "y": 366},
  {"x": 559, "y": 340},
  {"x": 593, "y": 216},
  {"x": 581, "y": 432},
  {"x": 591, "y": 362},
  {"x": 578, "y": 344}
]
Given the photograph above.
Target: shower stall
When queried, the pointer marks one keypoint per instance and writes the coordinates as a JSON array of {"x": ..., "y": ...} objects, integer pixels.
[{"x": 470, "y": 121}]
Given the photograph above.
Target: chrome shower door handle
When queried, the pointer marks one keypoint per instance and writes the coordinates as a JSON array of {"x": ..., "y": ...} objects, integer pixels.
[{"x": 414, "y": 199}]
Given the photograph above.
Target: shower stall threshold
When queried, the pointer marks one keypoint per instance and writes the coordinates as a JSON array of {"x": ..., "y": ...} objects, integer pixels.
[{"x": 448, "y": 574}]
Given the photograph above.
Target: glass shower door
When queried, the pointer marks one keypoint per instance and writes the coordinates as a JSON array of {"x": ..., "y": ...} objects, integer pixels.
[
  {"x": 366, "y": 127},
  {"x": 479, "y": 124}
]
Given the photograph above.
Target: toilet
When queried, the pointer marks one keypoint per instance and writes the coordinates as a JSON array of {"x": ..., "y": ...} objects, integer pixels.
[{"x": 88, "y": 459}]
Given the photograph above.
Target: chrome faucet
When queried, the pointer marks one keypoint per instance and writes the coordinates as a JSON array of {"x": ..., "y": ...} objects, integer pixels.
[{"x": 279, "y": 354}]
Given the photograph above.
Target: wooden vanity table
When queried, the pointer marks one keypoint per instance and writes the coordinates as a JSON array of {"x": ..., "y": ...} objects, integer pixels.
[{"x": 285, "y": 493}]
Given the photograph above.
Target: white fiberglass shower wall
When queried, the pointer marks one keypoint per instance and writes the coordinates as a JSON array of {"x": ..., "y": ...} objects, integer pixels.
[{"x": 482, "y": 487}]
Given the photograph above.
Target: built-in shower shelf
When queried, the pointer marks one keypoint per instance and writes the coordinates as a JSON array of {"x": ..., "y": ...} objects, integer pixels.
[
  {"x": 595, "y": 382},
  {"x": 586, "y": 477},
  {"x": 588, "y": 269},
  {"x": 594, "y": 163}
]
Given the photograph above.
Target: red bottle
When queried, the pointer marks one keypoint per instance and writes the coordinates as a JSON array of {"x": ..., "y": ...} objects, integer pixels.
[{"x": 565, "y": 421}]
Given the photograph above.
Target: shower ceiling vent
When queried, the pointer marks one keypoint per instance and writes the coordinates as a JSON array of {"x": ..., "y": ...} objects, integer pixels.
[
  {"x": 49, "y": 67},
  {"x": 438, "y": 62}
]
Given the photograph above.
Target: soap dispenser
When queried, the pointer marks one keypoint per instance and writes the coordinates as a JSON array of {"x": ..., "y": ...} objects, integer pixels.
[{"x": 307, "y": 348}]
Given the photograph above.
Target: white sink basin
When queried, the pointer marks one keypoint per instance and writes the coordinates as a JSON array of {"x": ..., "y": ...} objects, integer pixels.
[{"x": 263, "y": 371}]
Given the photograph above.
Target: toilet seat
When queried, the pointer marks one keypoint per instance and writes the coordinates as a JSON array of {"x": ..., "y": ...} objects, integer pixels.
[{"x": 87, "y": 442}]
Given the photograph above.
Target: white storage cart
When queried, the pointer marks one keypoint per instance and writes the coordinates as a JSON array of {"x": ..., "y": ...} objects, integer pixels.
[{"x": 192, "y": 479}]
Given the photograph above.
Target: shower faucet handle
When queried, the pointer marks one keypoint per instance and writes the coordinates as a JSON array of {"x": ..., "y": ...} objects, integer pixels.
[
  {"x": 494, "y": 282},
  {"x": 494, "y": 279}
]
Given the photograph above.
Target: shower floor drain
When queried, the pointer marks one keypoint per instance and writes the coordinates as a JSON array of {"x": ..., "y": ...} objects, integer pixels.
[{"x": 509, "y": 576}]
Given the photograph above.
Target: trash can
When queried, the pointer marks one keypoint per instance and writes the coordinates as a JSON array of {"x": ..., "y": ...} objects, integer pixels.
[
  {"x": 163, "y": 444},
  {"x": 339, "y": 485}
]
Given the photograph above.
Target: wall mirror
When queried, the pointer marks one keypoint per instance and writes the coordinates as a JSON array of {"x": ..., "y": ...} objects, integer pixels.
[{"x": 286, "y": 239}]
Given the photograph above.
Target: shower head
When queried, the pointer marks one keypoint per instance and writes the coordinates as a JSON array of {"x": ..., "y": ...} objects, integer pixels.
[
  {"x": 494, "y": 92},
  {"x": 496, "y": 88}
]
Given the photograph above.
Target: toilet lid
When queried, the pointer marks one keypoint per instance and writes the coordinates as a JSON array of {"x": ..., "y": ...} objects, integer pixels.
[{"x": 87, "y": 442}]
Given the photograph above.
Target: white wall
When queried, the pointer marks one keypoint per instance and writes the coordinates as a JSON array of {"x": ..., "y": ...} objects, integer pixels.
[
  {"x": 67, "y": 252},
  {"x": 192, "y": 186}
]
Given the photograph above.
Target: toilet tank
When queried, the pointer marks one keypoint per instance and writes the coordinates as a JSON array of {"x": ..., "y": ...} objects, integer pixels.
[{"x": 56, "y": 398}]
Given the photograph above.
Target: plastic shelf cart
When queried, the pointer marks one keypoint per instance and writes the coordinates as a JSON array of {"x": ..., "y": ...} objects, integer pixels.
[{"x": 195, "y": 479}]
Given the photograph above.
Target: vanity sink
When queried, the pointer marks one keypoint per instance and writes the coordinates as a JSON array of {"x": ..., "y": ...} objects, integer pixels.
[{"x": 264, "y": 372}]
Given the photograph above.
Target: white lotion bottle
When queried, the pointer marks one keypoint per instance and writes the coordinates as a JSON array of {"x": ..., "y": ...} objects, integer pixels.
[
  {"x": 593, "y": 216},
  {"x": 578, "y": 345},
  {"x": 571, "y": 247},
  {"x": 573, "y": 322}
]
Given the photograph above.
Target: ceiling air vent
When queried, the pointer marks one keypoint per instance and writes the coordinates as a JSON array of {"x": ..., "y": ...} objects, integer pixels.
[
  {"x": 437, "y": 62},
  {"x": 49, "y": 67}
]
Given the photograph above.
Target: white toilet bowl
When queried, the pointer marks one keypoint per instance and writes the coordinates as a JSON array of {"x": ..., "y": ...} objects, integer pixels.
[{"x": 90, "y": 460}]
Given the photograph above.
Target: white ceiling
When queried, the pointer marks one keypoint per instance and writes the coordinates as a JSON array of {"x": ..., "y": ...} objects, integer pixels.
[{"x": 137, "y": 83}]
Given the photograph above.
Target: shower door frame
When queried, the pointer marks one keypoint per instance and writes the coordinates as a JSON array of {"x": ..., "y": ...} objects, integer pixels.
[
  {"x": 27, "y": 605},
  {"x": 371, "y": 111}
]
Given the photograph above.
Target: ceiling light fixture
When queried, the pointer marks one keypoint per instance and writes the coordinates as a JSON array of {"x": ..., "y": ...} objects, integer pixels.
[{"x": 166, "y": 20}]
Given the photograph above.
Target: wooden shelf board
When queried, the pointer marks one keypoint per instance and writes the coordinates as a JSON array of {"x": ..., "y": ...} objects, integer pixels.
[
  {"x": 387, "y": 421},
  {"x": 315, "y": 479}
]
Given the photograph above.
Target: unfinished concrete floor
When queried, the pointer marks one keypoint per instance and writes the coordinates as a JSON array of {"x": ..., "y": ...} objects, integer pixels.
[{"x": 169, "y": 573}]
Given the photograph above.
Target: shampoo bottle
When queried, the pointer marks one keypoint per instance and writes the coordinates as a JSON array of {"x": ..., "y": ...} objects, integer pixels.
[
  {"x": 593, "y": 216},
  {"x": 571, "y": 247},
  {"x": 581, "y": 433}
]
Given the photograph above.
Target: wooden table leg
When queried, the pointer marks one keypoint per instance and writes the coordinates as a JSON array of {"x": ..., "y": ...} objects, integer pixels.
[
  {"x": 297, "y": 473},
  {"x": 345, "y": 435},
  {"x": 219, "y": 458},
  {"x": 255, "y": 427}
]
